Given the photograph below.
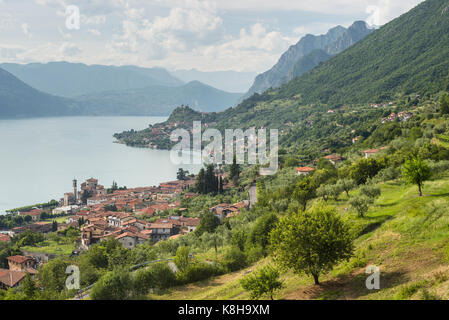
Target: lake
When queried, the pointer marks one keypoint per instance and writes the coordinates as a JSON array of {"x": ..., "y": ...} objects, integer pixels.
[{"x": 40, "y": 157}]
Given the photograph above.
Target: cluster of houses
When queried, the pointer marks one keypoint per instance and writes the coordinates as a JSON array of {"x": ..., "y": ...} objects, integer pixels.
[
  {"x": 334, "y": 159},
  {"x": 401, "y": 116},
  {"x": 120, "y": 214},
  {"x": 129, "y": 230}
]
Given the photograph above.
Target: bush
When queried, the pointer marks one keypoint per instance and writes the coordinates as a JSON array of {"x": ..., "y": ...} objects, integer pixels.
[
  {"x": 199, "y": 271},
  {"x": 143, "y": 281},
  {"x": 387, "y": 174},
  {"x": 163, "y": 275},
  {"x": 234, "y": 259},
  {"x": 264, "y": 283},
  {"x": 114, "y": 285},
  {"x": 370, "y": 191},
  {"x": 254, "y": 254}
]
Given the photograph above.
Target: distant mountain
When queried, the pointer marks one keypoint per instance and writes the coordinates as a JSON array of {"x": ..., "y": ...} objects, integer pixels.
[
  {"x": 308, "y": 53},
  {"x": 158, "y": 100},
  {"x": 75, "y": 79},
  {"x": 231, "y": 81},
  {"x": 17, "y": 99},
  {"x": 407, "y": 56}
]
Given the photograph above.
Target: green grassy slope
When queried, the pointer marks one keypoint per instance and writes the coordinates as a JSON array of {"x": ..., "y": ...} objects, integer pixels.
[{"x": 404, "y": 235}]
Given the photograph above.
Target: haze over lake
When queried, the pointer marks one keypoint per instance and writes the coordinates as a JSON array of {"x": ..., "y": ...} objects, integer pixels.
[{"x": 40, "y": 157}]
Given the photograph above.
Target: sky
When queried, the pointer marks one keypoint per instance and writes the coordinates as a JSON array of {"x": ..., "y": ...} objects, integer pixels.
[{"x": 207, "y": 35}]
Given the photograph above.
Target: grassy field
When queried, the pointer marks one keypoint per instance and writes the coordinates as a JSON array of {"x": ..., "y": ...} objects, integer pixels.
[
  {"x": 404, "y": 235},
  {"x": 51, "y": 247}
]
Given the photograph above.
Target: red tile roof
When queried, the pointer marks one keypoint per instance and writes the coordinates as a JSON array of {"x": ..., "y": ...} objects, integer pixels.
[
  {"x": 19, "y": 259},
  {"x": 11, "y": 278},
  {"x": 5, "y": 238},
  {"x": 305, "y": 169}
]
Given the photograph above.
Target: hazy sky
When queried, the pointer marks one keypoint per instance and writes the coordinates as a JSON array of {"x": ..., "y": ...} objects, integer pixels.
[{"x": 241, "y": 35}]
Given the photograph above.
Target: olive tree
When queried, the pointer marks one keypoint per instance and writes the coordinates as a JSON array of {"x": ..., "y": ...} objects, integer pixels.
[{"x": 312, "y": 242}]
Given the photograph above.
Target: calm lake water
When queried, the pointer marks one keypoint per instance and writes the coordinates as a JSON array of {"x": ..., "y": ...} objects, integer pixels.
[{"x": 40, "y": 157}]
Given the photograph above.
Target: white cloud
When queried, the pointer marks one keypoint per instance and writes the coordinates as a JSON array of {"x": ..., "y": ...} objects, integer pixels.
[
  {"x": 182, "y": 29},
  {"x": 69, "y": 49}
]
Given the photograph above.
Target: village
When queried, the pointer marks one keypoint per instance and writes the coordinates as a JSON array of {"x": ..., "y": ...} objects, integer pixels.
[{"x": 131, "y": 216}]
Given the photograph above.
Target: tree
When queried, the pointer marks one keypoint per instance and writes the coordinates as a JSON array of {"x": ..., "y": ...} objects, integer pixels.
[
  {"x": 52, "y": 276},
  {"x": 444, "y": 104},
  {"x": 304, "y": 191},
  {"x": 28, "y": 287},
  {"x": 361, "y": 204},
  {"x": 114, "y": 285},
  {"x": 364, "y": 169},
  {"x": 312, "y": 242},
  {"x": 265, "y": 283},
  {"x": 54, "y": 226},
  {"x": 143, "y": 281},
  {"x": 234, "y": 173},
  {"x": 416, "y": 171},
  {"x": 370, "y": 191},
  {"x": 208, "y": 223},
  {"x": 182, "y": 258},
  {"x": 346, "y": 185},
  {"x": 329, "y": 191},
  {"x": 182, "y": 174},
  {"x": 234, "y": 259},
  {"x": 27, "y": 219},
  {"x": 260, "y": 233}
]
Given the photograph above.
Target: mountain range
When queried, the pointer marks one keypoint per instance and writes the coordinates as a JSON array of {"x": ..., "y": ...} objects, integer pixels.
[
  {"x": 76, "y": 79},
  {"x": 231, "y": 81},
  {"x": 67, "y": 89},
  {"x": 308, "y": 53},
  {"x": 158, "y": 100},
  {"x": 18, "y": 99}
]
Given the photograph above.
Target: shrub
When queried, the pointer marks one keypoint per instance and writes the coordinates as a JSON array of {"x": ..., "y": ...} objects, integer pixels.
[
  {"x": 114, "y": 285},
  {"x": 264, "y": 283},
  {"x": 234, "y": 259},
  {"x": 370, "y": 191},
  {"x": 199, "y": 271}
]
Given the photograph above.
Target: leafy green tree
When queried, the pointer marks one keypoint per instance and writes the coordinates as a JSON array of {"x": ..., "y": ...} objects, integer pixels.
[
  {"x": 182, "y": 258},
  {"x": 120, "y": 257},
  {"x": 114, "y": 285},
  {"x": 361, "y": 204},
  {"x": 346, "y": 185},
  {"x": 143, "y": 281},
  {"x": 234, "y": 259},
  {"x": 27, "y": 218},
  {"x": 365, "y": 169},
  {"x": 370, "y": 191},
  {"x": 238, "y": 239},
  {"x": 444, "y": 104},
  {"x": 29, "y": 287},
  {"x": 163, "y": 275},
  {"x": 52, "y": 276},
  {"x": 260, "y": 233},
  {"x": 304, "y": 191},
  {"x": 416, "y": 171},
  {"x": 265, "y": 283},
  {"x": 208, "y": 223},
  {"x": 312, "y": 242}
]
